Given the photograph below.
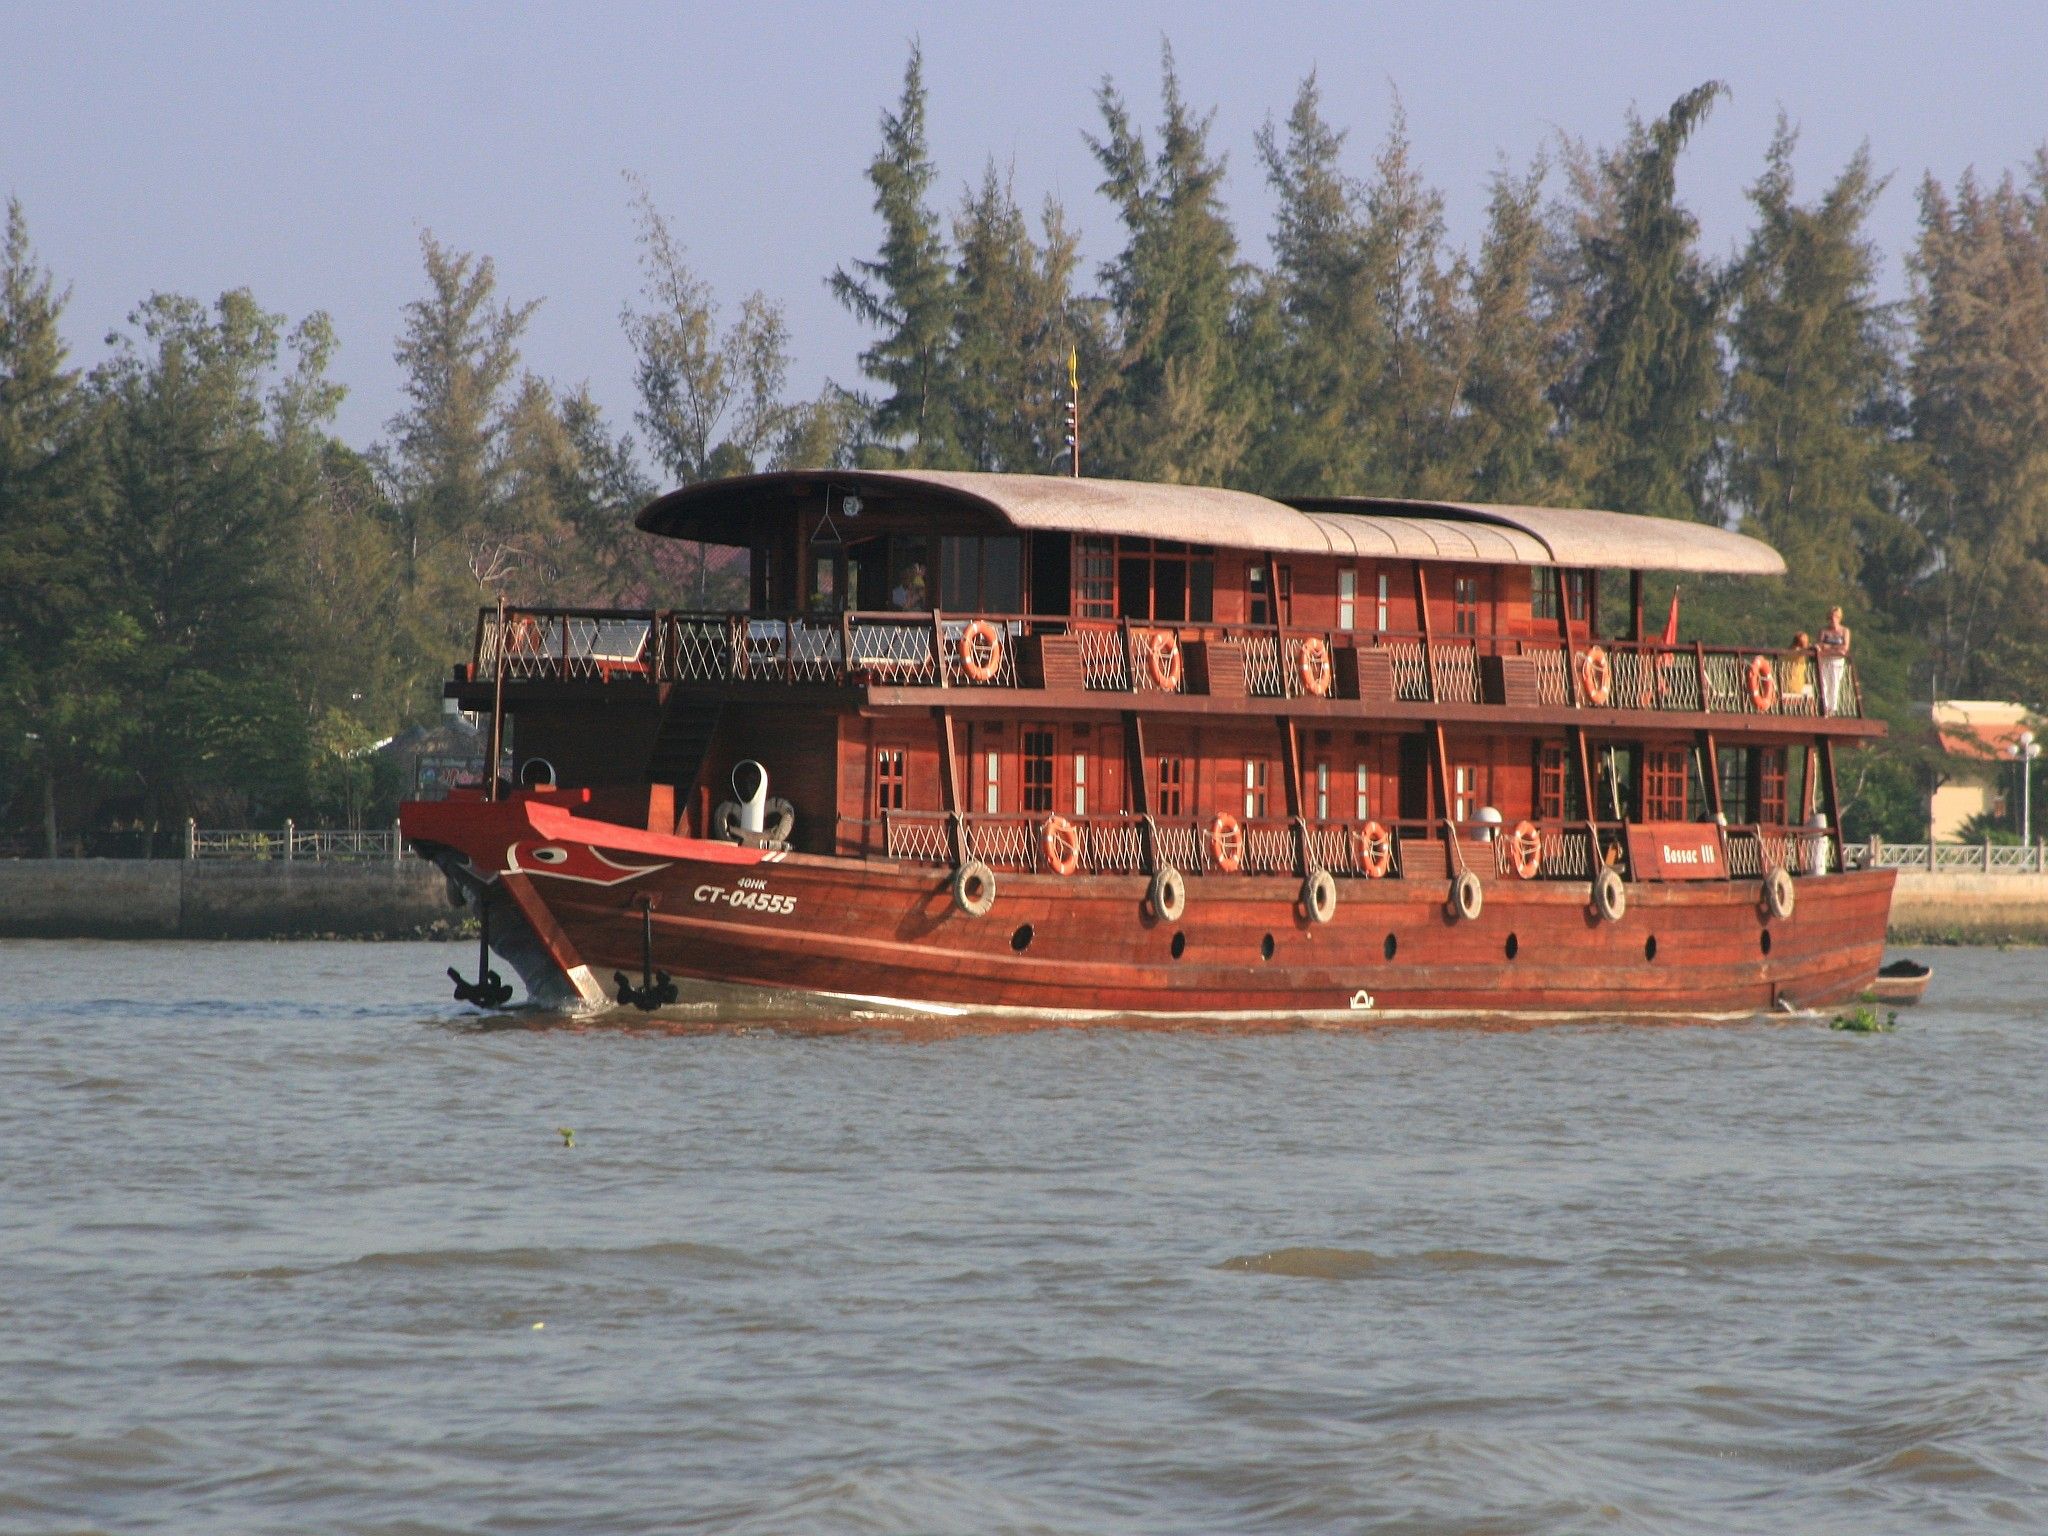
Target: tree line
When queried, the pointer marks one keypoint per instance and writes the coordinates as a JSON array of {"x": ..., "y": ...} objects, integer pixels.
[{"x": 211, "y": 605}]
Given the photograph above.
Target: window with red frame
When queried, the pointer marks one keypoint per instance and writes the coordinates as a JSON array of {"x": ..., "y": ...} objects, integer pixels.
[
  {"x": 1770, "y": 775},
  {"x": 889, "y": 778},
  {"x": 1172, "y": 786},
  {"x": 1038, "y": 748},
  {"x": 1464, "y": 605},
  {"x": 1550, "y": 783},
  {"x": 1255, "y": 775},
  {"x": 1665, "y": 770}
]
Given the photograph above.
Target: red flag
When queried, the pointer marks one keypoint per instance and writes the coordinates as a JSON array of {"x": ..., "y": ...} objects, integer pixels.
[{"x": 1671, "y": 624}]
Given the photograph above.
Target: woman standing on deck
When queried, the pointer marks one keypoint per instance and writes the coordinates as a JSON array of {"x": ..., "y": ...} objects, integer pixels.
[{"x": 1834, "y": 661}]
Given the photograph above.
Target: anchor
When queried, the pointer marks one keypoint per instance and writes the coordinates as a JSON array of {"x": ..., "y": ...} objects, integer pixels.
[
  {"x": 656, "y": 988},
  {"x": 489, "y": 990}
]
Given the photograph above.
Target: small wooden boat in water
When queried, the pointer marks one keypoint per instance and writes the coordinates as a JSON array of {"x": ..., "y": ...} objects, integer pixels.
[{"x": 1902, "y": 983}]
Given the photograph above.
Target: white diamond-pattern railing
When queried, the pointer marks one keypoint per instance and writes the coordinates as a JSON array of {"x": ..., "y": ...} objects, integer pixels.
[
  {"x": 1263, "y": 675},
  {"x": 1105, "y": 665},
  {"x": 916, "y": 838}
]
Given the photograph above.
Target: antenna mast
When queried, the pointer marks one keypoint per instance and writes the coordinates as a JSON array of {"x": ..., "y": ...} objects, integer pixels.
[{"x": 1074, "y": 411}]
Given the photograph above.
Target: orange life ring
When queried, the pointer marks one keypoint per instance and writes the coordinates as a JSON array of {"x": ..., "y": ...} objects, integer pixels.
[
  {"x": 1376, "y": 850},
  {"x": 1763, "y": 684},
  {"x": 1525, "y": 847},
  {"x": 1162, "y": 660},
  {"x": 1314, "y": 666},
  {"x": 1226, "y": 842},
  {"x": 1062, "y": 841},
  {"x": 1596, "y": 675},
  {"x": 981, "y": 650}
]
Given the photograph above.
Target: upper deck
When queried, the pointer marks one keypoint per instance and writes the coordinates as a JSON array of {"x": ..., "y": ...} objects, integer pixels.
[{"x": 987, "y": 591}]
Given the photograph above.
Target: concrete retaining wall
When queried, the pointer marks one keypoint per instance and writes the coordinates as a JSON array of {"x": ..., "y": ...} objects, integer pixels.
[
  {"x": 204, "y": 899},
  {"x": 1969, "y": 909}
]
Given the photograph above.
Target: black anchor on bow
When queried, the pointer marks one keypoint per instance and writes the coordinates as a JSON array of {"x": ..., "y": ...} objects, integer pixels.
[
  {"x": 489, "y": 990},
  {"x": 656, "y": 989}
]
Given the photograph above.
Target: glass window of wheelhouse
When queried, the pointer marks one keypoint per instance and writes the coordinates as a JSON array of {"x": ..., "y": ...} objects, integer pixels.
[
  {"x": 1666, "y": 772},
  {"x": 980, "y": 574},
  {"x": 889, "y": 778},
  {"x": 1164, "y": 581}
]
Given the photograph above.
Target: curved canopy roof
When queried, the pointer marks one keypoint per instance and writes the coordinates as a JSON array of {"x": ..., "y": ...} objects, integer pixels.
[{"x": 725, "y": 512}]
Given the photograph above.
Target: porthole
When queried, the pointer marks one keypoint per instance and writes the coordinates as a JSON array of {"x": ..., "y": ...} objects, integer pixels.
[
  {"x": 1021, "y": 939},
  {"x": 1266, "y": 947},
  {"x": 1514, "y": 946},
  {"x": 537, "y": 773},
  {"x": 551, "y": 855},
  {"x": 1180, "y": 945},
  {"x": 1650, "y": 947},
  {"x": 1390, "y": 946},
  {"x": 1763, "y": 941}
]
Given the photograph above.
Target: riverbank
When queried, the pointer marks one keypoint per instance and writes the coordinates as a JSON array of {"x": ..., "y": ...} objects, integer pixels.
[
  {"x": 1958, "y": 908},
  {"x": 226, "y": 899},
  {"x": 276, "y": 899}
]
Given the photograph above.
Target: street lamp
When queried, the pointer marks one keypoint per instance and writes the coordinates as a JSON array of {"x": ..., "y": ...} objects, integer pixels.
[{"x": 2026, "y": 749}]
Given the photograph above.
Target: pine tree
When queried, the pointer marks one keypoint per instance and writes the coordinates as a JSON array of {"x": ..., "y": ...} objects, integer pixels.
[
  {"x": 1979, "y": 384},
  {"x": 1178, "y": 407},
  {"x": 1814, "y": 380},
  {"x": 1415, "y": 286},
  {"x": 1520, "y": 339},
  {"x": 460, "y": 354},
  {"x": 1015, "y": 324},
  {"x": 1323, "y": 347},
  {"x": 195, "y": 543},
  {"x": 906, "y": 291},
  {"x": 56, "y": 700},
  {"x": 1641, "y": 413}
]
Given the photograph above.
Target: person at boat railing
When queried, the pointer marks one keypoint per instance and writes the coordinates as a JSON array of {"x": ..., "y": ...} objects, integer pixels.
[
  {"x": 1799, "y": 671},
  {"x": 1834, "y": 661},
  {"x": 909, "y": 594}
]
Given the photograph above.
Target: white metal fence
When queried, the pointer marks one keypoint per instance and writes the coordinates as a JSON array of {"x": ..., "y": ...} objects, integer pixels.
[
  {"x": 1979, "y": 858},
  {"x": 290, "y": 843}
]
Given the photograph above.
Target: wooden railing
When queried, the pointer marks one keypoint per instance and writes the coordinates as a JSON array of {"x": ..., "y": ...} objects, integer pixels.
[{"x": 929, "y": 650}]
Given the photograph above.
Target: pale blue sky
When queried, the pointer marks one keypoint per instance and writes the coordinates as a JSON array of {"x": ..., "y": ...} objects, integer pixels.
[{"x": 299, "y": 149}]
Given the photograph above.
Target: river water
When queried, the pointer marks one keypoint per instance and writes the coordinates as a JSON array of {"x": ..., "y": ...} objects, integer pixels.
[{"x": 288, "y": 1243}]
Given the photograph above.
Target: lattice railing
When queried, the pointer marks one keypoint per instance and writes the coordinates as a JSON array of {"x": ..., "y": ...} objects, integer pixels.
[
  {"x": 1551, "y": 685},
  {"x": 1005, "y": 842},
  {"x": 1411, "y": 670},
  {"x": 1105, "y": 664},
  {"x": 1112, "y": 846},
  {"x": 1264, "y": 677},
  {"x": 1183, "y": 845},
  {"x": 1457, "y": 672},
  {"x": 894, "y": 653},
  {"x": 917, "y": 837}
]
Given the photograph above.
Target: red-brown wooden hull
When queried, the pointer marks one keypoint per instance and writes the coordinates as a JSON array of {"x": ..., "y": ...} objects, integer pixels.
[{"x": 864, "y": 929}]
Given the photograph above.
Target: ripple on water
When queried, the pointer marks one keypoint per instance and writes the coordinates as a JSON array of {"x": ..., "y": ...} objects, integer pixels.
[{"x": 1309, "y": 1263}]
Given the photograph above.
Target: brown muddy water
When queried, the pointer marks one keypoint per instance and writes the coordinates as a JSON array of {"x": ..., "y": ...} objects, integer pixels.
[{"x": 279, "y": 1229}]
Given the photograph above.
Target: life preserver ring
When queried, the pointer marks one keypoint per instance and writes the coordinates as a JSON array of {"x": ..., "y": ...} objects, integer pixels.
[
  {"x": 1376, "y": 850},
  {"x": 1468, "y": 896},
  {"x": 1319, "y": 896},
  {"x": 1168, "y": 893},
  {"x": 974, "y": 888},
  {"x": 1763, "y": 684},
  {"x": 1226, "y": 842},
  {"x": 1162, "y": 660},
  {"x": 1313, "y": 666},
  {"x": 981, "y": 650},
  {"x": 1062, "y": 840},
  {"x": 1525, "y": 849},
  {"x": 1780, "y": 895},
  {"x": 1596, "y": 675}
]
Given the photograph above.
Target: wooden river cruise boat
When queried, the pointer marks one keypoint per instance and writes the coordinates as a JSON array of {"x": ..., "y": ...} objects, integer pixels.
[{"x": 1067, "y": 748}]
